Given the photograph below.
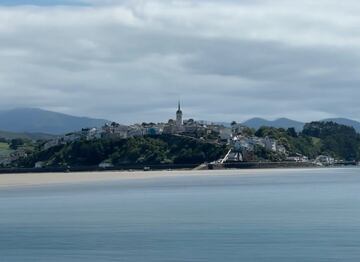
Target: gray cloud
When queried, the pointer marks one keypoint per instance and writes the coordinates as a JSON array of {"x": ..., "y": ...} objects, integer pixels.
[{"x": 132, "y": 60}]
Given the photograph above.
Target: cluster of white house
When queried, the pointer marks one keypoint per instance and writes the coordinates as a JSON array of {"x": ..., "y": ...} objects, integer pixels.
[
  {"x": 325, "y": 160},
  {"x": 233, "y": 135},
  {"x": 242, "y": 145},
  {"x": 249, "y": 142},
  {"x": 178, "y": 126}
]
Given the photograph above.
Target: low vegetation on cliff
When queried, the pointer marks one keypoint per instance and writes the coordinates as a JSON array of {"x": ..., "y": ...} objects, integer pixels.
[{"x": 161, "y": 149}]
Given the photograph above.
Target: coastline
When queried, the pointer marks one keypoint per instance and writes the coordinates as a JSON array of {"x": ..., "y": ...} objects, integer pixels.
[{"x": 44, "y": 179}]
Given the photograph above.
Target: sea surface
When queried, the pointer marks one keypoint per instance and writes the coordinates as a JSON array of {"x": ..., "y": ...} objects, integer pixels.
[{"x": 273, "y": 215}]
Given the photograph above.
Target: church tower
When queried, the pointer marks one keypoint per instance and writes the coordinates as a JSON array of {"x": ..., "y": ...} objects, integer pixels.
[{"x": 179, "y": 121}]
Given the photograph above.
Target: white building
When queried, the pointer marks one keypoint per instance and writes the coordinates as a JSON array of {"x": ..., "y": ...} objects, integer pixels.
[
  {"x": 135, "y": 130},
  {"x": 325, "y": 160},
  {"x": 225, "y": 133},
  {"x": 297, "y": 158},
  {"x": 270, "y": 144},
  {"x": 106, "y": 165},
  {"x": 39, "y": 164},
  {"x": 90, "y": 133},
  {"x": 115, "y": 130}
]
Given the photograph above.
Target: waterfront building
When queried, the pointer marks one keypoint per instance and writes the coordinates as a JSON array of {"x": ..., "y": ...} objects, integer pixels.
[
  {"x": 325, "y": 160},
  {"x": 39, "y": 164},
  {"x": 297, "y": 158},
  {"x": 106, "y": 164}
]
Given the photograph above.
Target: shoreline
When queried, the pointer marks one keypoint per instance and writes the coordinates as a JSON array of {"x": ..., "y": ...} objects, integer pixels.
[
  {"x": 173, "y": 167},
  {"x": 45, "y": 179}
]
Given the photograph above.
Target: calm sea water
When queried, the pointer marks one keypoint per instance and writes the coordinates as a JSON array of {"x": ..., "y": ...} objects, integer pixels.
[{"x": 278, "y": 215}]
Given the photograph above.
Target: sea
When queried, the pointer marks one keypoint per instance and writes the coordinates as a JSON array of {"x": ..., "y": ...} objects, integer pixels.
[{"x": 267, "y": 215}]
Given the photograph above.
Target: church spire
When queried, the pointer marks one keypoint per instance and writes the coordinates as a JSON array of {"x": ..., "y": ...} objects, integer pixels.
[{"x": 179, "y": 120}]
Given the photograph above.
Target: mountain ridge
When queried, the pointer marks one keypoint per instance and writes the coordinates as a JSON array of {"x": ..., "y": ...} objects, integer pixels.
[
  {"x": 283, "y": 122},
  {"x": 36, "y": 120},
  {"x": 345, "y": 121}
]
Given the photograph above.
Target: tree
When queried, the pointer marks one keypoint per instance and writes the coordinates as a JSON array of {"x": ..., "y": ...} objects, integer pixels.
[
  {"x": 340, "y": 141},
  {"x": 15, "y": 143},
  {"x": 292, "y": 132}
]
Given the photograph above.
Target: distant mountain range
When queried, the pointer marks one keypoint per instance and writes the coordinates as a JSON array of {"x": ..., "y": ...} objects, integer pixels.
[
  {"x": 287, "y": 123},
  {"x": 278, "y": 123},
  {"x": 34, "y": 120}
]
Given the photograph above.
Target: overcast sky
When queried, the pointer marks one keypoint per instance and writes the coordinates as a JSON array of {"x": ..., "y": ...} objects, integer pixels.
[{"x": 131, "y": 61}]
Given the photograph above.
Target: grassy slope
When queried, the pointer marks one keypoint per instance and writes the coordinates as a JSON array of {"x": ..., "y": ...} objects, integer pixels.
[
  {"x": 31, "y": 136},
  {"x": 4, "y": 146},
  {"x": 4, "y": 149}
]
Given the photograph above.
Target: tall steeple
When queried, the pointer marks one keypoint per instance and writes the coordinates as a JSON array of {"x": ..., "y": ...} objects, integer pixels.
[{"x": 179, "y": 120}]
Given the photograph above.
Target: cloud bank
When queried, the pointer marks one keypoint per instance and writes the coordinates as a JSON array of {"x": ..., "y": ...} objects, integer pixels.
[{"x": 231, "y": 60}]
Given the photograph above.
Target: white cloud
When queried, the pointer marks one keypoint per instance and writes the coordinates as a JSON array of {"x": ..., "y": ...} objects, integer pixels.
[{"x": 131, "y": 60}]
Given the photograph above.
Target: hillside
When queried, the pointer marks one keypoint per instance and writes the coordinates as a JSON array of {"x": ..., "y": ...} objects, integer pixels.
[
  {"x": 318, "y": 138},
  {"x": 337, "y": 140},
  {"x": 161, "y": 149},
  {"x": 33, "y": 120}
]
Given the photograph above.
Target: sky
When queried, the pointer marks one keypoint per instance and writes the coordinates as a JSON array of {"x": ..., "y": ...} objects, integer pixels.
[{"x": 132, "y": 60}]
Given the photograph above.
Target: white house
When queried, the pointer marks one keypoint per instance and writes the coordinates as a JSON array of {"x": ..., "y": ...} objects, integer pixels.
[
  {"x": 325, "y": 160},
  {"x": 270, "y": 144}
]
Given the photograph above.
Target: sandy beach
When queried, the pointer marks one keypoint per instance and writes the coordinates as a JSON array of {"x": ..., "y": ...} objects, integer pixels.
[{"x": 39, "y": 179}]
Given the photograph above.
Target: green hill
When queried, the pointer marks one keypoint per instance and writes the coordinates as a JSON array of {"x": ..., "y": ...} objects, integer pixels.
[
  {"x": 148, "y": 150},
  {"x": 317, "y": 138}
]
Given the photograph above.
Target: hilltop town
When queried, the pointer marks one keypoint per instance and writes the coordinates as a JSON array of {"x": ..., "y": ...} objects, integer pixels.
[{"x": 234, "y": 143}]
